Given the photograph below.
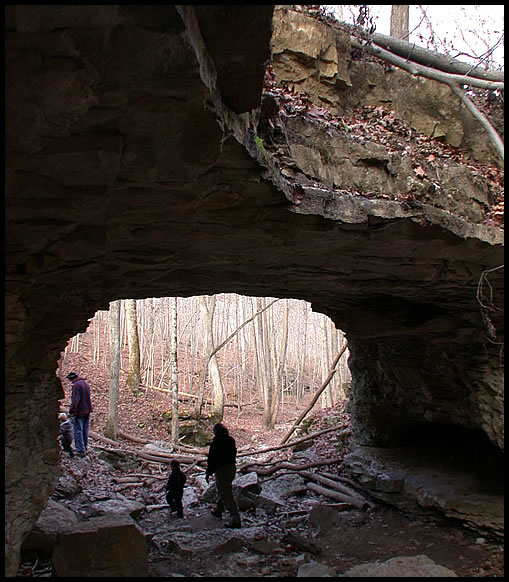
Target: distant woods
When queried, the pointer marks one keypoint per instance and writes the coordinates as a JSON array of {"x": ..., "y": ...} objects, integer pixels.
[{"x": 220, "y": 350}]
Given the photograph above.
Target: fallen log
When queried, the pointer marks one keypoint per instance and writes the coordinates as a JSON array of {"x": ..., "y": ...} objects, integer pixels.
[
  {"x": 160, "y": 458},
  {"x": 337, "y": 496},
  {"x": 290, "y": 466},
  {"x": 142, "y": 441},
  {"x": 132, "y": 438},
  {"x": 353, "y": 495},
  {"x": 135, "y": 477},
  {"x": 158, "y": 506},
  {"x": 127, "y": 485},
  {"x": 99, "y": 437}
]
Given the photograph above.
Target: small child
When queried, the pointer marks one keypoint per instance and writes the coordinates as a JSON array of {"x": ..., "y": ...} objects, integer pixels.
[
  {"x": 66, "y": 433},
  {"x": 175, "y": 488}
]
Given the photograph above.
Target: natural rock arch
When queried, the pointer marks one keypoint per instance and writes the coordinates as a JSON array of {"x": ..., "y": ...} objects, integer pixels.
[{"x": 132, "y": 171}]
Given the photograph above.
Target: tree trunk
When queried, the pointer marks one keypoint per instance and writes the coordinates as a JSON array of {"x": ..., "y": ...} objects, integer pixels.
[
  {"x": 266, "y": 384},
  {"x": 279, "y": 380},
  {"x": 112, "y": 421},
  {"x": 210, "y": 363},
  {"x": 299, "y": 391},
  {"x": 174, "y": 437},
  {"x": 399, "y": 21},
  {"x": 433, "y": 59},
  {"x": 424, "y": 71},
  {"x": 133, "y": 375}
]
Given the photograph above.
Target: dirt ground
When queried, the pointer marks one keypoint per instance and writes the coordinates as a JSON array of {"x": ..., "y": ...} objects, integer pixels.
[{"x": 274, "y": 544}]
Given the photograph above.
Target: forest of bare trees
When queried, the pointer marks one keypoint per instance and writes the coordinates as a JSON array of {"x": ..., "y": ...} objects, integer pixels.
[{"x": 228, "y": 349}]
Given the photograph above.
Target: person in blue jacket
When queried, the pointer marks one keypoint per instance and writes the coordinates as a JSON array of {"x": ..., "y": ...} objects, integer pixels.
[{"x": 80, "y": 409}]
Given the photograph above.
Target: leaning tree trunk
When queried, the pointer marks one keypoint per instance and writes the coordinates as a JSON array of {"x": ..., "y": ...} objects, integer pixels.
[
  {"x": 112, "y": 420},
  {"x": 133, "y": 374}
]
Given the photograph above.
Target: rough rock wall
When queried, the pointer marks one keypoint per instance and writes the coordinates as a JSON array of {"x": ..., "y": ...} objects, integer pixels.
[
  {"x": 316, "y": 59},
  {"x": 132, "y": 171}
]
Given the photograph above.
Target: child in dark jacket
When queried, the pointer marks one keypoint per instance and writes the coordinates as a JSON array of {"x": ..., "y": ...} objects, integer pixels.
[
  {"x": 66, "y": 433},
  {"x": 175, "y": 488}
]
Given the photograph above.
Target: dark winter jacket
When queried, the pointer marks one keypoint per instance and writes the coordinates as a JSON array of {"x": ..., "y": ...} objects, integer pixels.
[
  {"x": 66, "y": 430},
  {"x": 80, "y": 398},
  {"x": 176, "y": 481},
  {"x": 222, "y": 452}
]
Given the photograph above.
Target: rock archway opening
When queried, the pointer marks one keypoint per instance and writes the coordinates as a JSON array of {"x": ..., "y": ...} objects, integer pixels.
[{"x": 232, "y": 353}]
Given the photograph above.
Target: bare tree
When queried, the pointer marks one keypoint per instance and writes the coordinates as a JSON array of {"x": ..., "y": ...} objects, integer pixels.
[
  {"x": 174, "y": 372},
  {"x": 112, "y": 421},
  {"x": 399, "y": 21},
  {"x": 133, "y": 374}
]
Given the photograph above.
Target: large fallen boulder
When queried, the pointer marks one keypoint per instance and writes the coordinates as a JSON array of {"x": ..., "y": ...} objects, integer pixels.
[
  {"x": 401, "y": 567},
  {"x": 110, "y": 545},
  {"x": 242, "y": 484},
  {"x": 53, "y": 520}
]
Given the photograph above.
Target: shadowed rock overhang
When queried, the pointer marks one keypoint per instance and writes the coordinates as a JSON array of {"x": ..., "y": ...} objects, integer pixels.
[{"x": 134, "y": 169}]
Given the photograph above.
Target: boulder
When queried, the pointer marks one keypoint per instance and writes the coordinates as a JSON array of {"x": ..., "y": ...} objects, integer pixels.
[
  {"x": 401, "y": 567},
  {"x": 53, "y": 520},
  {"x": 247, "y": 483},
  {"x": 67, "y": 487},
  {"x": 315, "y": 570},
  {"x": 247, "y": 500},
  {"x": 117, "y": 507},
  {"x": 110, "y": 545},
  {"x": 284, "y": 487}
]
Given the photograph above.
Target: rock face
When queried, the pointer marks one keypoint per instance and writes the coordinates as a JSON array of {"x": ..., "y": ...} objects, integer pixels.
[
  {"x": 433, "y": 479},
  {"x": 102, "y": 546},
  {"x": 132, "y": 171}
]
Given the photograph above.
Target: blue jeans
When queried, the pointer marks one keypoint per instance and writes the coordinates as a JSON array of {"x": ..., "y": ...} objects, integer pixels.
[{"x": 80, "y": 425}]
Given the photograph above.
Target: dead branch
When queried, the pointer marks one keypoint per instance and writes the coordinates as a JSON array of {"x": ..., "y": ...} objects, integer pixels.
[
  {"x": 317, "y": 394},
  {"x": 338, "y": 496},
  {"x": 295, "y": 442},
  {"x": 481, "y": 118},
  {"x": 290, "y": 466},
  {"x": 483, "y": 278}
]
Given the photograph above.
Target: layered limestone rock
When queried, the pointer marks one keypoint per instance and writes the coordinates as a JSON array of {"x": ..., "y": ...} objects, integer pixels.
[
  {"x": 316, "y": 59},
  {"x": 132, "y": 170}
]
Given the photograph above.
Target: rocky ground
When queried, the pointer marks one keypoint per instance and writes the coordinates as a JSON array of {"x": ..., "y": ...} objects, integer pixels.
[{"x": 294, "y": 531}]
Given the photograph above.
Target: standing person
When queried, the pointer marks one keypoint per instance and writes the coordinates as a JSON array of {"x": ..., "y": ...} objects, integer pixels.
[
  {"x": 175, "y": 488},
  {"x": 66, "y": 433},
  {"x": 221, "y": 464},
  {"x": 80, "y": 409}
]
